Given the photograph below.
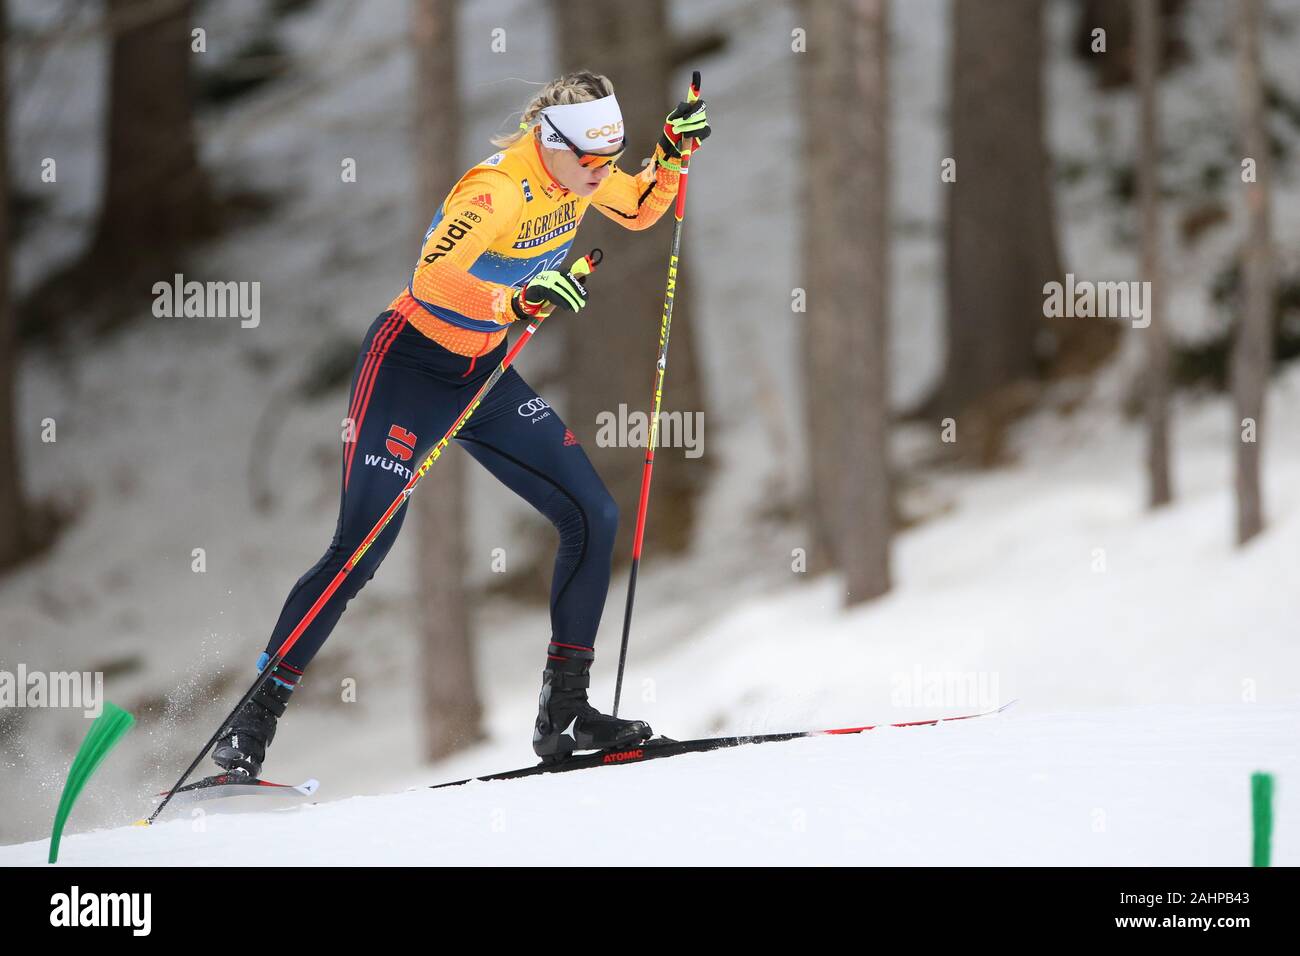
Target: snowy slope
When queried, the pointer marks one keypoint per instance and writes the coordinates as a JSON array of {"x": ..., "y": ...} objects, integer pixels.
[
  {"x": 1001, "y": 582},
  {"x": 1139, "y": 787}
]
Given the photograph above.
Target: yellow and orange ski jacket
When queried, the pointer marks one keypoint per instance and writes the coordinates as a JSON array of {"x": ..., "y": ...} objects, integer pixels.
[{"x": 505, "y": 221}]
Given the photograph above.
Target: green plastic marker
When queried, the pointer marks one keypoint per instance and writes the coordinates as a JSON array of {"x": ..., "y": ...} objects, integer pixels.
[
  {"x": 108, "y": 728},
  {"x": 1261, "y": 798}
]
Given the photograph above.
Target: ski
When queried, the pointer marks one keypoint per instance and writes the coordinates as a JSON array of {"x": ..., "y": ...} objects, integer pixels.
[
  {"x": 237, "y": 785},
  {"x": 657, "y": 747}
]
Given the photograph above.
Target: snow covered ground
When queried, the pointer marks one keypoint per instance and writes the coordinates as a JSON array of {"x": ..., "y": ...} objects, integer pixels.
[
  {"x": 1125, "y": 787},
  {"x": 1157, "y": 666},
  {"x": 1154, "y": 677}
]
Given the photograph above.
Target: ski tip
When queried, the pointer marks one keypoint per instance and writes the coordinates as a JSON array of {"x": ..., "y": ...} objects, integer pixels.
[
  {"x": 308, "y": 787},
  {"x": 142, "y": 822}
]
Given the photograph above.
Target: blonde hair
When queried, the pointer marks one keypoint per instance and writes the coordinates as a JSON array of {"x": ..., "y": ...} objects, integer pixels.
[{"x": 579, "y": 86}]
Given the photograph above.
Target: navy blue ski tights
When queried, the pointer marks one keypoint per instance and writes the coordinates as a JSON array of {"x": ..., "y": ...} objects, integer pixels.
[{"x": 406, "y": 392}]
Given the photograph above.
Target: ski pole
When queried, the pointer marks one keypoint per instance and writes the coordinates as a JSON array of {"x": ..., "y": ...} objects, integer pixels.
[
  {"x": 679, "y": 211},
  {"x": 581, "y": 269}
]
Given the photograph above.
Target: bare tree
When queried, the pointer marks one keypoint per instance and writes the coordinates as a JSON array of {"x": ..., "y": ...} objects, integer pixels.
[
  {"x": 157, "y": 198},
  {"x": 846, "y": 243},
  {"x": 156, "y": 195},
  {"x": 1252, "y": 354},
  {"x": 631, "y": 43},
  {"x": 867, "y": 510},
  {"x": 825, "y": 279},
  {"x": 452, "y": 712},
  {"x": 1001, "y": 243},
  {"x": 14, "y": 517},
  {"x": 1155, "y": 334}
]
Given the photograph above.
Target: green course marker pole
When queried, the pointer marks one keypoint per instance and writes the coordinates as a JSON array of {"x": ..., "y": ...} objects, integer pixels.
[
  {"x": 108, "y": 728},
  {"x": 1261, "y": 798}
]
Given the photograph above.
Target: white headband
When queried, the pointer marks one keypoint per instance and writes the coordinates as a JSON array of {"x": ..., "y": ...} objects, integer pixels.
[{"x": 596, "y": 125}]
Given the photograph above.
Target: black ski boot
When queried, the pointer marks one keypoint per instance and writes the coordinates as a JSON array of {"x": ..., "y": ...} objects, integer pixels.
[
  {"x": 243, "y": 749},
  {"x": 566, "y": 721}
]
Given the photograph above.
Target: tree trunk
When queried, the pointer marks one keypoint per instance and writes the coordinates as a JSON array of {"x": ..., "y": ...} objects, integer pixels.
[
  {"x": 1001, "y": 244},
  {"x": 452, "y": 712},
  {"x": 156, "y": 195},
  {"x": 846, "y": 238},
  {"x": 864, "y": 226},
  {"x": 1252, "y": 354},
  {"x": 13, "y": 508},
  {"x": 1155, "y": 335},
  {"x": 610, "y": 353},
  {"x": 830, "y": 271}
]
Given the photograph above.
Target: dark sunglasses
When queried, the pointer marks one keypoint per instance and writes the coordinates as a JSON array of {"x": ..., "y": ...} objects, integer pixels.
[{"x": 586, "y": 158}]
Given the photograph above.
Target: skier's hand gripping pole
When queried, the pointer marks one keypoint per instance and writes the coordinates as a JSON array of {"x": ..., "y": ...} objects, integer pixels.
[
  {"x": 580, "y": 271},
  {"x": 687, "y": 146}
]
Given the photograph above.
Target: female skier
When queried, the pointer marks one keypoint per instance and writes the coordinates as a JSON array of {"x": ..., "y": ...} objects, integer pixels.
[{"x": 492, "y": 256}]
